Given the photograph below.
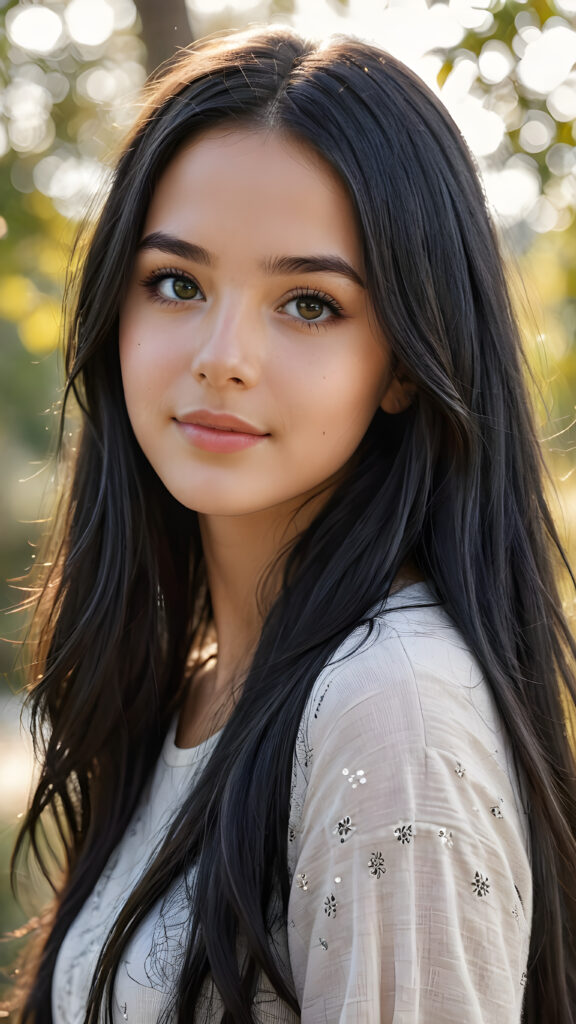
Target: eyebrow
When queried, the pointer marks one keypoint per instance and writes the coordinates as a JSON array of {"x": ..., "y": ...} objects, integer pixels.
[
  {"x": 175, "y": 247},
  {"x": 277, "y": 265}
]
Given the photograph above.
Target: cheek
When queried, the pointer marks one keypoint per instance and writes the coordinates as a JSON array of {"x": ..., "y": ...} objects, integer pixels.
[
  {"x": 144, "y": 365},
  {"x": 340, "y": 401},
  {"x": 135, "y": 378}
]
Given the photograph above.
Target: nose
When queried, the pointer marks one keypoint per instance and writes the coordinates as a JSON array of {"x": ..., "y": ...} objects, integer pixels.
[{"x": 228, "y": 347}]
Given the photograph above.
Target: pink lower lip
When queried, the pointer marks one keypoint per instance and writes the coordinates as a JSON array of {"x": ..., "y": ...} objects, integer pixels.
[{"x": 210, "y": 439}]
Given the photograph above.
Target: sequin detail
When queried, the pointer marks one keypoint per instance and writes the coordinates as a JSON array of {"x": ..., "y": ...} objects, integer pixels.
[
  {"x": 124, "y": 1012},
  {"x": 377, "y": 865},
  {"x": 460, "y": 771},
  {"x": 344, "y": 828},
  {"x": 355, "y": 778},
  {"x": 480, "y": 885},
  {"x": 403, "y": 834},
  {"x": 302, "y": 881},
  {"x": 330, "y": 905},
  {"x": 337, "y": 879},
  {"x": 446, "y": 837},
  {"x": 496, "y": 810}
]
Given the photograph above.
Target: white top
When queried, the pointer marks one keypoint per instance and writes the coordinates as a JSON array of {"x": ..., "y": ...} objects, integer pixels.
[{"x": 411, "y": 894}]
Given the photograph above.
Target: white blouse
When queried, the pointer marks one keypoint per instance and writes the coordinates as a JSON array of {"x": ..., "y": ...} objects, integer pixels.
[{"x": 411, "y": 894}]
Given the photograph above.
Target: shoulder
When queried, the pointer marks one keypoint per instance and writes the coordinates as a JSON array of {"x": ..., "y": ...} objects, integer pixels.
[
  {"x": 407, "y": 696},
  {"x": 410, "y": 675},
  {"x": 407, "y": 848}
]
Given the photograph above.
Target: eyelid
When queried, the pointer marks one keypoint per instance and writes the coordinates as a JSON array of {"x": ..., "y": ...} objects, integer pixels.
[
  {"x": 161, "y": 273},
  {"x": 307, "y": 292}
]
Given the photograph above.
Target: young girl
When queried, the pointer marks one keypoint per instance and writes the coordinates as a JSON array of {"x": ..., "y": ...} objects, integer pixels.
[{"x": 303, "y": 671}]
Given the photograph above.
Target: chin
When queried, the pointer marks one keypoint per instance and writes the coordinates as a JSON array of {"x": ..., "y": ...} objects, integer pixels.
[{"x": 216, "y": 504}]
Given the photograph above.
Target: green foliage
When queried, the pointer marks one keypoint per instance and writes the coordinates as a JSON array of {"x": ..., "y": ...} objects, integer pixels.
[{"x": 513, "y": 98}]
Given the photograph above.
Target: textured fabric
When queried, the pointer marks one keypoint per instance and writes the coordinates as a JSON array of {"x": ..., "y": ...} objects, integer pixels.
[
  {"x": 411, "y": 893},
  {"x": 147, "y": 972}
]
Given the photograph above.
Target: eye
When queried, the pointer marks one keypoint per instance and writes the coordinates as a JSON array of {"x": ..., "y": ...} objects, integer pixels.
[
  {"x": 178, "y": 287},
  {"x": 312, "y": 307},
  {"x": 172, "y": 287}
]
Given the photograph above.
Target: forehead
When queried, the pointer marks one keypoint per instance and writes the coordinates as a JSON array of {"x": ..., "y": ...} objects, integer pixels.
[{"x": 259, "y": 188}]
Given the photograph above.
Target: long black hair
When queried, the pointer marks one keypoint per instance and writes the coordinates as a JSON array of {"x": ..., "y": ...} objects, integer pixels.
[{"x": 452, "y": 485}]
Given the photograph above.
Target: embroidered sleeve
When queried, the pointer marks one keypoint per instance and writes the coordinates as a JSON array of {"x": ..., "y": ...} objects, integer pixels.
[{"x": 411, "y": 890}]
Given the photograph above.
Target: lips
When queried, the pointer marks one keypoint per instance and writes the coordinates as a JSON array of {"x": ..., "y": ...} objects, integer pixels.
[
  {"x": 220, "y": 421},
  {"x": 218, "y": 432}
]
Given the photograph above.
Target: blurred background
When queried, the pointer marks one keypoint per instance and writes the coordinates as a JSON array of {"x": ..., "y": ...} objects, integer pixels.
[{"x": 71, "y": 74}]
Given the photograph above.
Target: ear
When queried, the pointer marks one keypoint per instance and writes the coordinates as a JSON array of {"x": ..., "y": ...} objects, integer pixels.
[{"x": 399, "y": 394}]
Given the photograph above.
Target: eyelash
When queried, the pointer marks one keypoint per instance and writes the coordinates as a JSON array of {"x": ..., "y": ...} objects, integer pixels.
[
  {"x": 151, "y": 283},
  {"x": 337, "y": 313}
]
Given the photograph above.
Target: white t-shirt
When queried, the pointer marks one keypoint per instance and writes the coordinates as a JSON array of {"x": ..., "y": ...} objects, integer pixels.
[{"x": 411, "y": 893}]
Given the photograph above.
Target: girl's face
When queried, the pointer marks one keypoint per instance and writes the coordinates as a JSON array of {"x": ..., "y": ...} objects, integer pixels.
[{"x": 250, "y": 365}]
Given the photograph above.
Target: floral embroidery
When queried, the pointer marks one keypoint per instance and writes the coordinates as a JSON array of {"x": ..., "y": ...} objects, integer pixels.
[
  {"x": 291, "y": 834},
  {"x": 460, "y": 771},
  {"x": 377, "y": 865},
  {"x": 322, "y": 695},
  {"x": 446, "y": 837},
  {"x": 495, "y": 810},
  {"x": 523, "y": 979},
  {"x": 323, "y": 942},
  {"x": 330, "y": 905},
  {"x": 480, "y": 885},
  {"x": 515, "y": 912},
  {"x": 344, "y": 828},
  {"x": 403, "y": 834},
  {"x": 302, "y": 881},
  {"x": 124, "y": 1011},
  {"x": 359, "y": 776}
]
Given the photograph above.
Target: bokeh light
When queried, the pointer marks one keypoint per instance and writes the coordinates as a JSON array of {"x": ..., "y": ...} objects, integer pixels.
[
  {"x": 480, "y": 90},
  {"x": 562, "y": 101},
  {"x": 513, "y": 191},
  {"x": 70, "y": 181},
  {"x": 549, "y": 56},
  {"x": 35, "y": 28},
  {"x": 495, "y": 61},
  {"x": 218, "y": 6},
  {"x": 90, "y": 22}
]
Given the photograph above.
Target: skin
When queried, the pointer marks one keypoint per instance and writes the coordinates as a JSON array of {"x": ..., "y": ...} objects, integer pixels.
[{"x": 306, "y": 371}]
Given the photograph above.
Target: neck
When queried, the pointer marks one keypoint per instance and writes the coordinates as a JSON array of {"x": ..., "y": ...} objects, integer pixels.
[{"x": 240, "y": 553}]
